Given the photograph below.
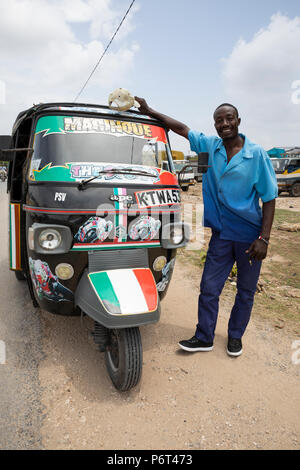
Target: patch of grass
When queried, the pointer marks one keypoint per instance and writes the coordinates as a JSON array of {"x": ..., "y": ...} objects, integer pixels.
[
  {"x": 195, "y": 257},
  {"x": 283, "y": 215}
]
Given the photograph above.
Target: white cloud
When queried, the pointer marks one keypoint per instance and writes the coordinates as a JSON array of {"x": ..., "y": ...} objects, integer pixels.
[
  {"x": 258, "y": 77},
  {"x": 42, "y": 60}
]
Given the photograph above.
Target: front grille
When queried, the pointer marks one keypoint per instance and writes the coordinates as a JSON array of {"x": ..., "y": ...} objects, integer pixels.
[{"x": 118, "y": 259}]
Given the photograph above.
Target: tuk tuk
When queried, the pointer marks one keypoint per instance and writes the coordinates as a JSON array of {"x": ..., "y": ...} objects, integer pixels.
[
  {"x": 286, "y": 166},
  {"x": 95, "y": 221}
]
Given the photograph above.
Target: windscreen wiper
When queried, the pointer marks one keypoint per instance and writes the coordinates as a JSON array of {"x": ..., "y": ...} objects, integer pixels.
[{"x": 114, "y": 171}]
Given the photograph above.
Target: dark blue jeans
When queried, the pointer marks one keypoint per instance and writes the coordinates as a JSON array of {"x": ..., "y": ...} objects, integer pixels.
[{"x": 220, "y": 259}]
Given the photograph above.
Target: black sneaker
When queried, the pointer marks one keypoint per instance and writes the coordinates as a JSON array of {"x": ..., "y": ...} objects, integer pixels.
[
  {"x": 234, "y": 347},
  {"x": 194, "y": 344}
]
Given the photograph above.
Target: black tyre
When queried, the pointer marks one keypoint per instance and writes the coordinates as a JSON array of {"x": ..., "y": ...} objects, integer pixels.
[
  {"x": 20, "y": 276},
  {"x": 295, "y": 190},
  {"x": 185, "y": 188},
  {"x": 124, "y": 358}
]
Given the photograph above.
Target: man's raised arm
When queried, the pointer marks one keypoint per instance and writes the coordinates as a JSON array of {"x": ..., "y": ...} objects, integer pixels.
[{"x": 175, "y": 126}]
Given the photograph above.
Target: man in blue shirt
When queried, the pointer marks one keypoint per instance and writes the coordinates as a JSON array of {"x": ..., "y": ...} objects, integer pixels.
[{"x": 240, "y": 174}]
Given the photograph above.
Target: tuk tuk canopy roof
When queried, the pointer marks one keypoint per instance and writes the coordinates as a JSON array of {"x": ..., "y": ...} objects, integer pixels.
[{"x": 87, "y": 108}]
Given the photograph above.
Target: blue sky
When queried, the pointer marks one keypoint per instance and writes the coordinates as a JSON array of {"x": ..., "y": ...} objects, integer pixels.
[{"x": 184, "y": 57}]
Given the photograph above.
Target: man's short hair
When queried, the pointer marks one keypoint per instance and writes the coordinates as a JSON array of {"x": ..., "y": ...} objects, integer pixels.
[{"x": 227, "y": 104}]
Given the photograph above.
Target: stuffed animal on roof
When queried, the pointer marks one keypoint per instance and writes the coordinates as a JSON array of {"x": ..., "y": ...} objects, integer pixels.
[{"x": 122, "y": 99}]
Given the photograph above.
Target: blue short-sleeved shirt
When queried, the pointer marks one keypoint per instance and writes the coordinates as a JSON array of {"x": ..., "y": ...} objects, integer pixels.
[{"x": 231, "y": 191}]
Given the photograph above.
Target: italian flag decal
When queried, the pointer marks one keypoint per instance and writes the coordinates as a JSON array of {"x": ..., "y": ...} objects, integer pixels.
[
  {"x": 120, "y": 218},
  {"x": 14, "y": 237},
  {"x": 125, "y": 291}
]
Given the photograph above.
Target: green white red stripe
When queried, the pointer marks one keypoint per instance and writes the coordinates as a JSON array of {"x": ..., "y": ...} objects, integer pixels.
[
  {"x": 14, "y": 237},
  {"x": 126, "y": 291},
  {"x": 120, "y": 217},
  {"x": 114, "y": 246}
]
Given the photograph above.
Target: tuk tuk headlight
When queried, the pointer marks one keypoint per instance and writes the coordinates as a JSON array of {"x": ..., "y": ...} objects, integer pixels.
[
  {"x": 49, "y": 239},
  {"x": 175, "y": 235}
]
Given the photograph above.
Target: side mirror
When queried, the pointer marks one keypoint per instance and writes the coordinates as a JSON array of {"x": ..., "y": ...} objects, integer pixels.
[{"x": 202, "y": 162}]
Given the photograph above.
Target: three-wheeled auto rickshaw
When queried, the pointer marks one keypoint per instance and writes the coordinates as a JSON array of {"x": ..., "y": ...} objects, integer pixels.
[{"x": 95, "y": 221}]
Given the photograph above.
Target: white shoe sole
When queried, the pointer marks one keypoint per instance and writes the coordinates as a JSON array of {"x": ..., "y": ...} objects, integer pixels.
[
  {"x": 234, "y": 354},
  {"x": 185, "y": 348}
]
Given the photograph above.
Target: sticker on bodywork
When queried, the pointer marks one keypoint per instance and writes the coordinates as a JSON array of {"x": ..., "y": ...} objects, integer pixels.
[
  {"x": 46, "y": 284},
  {"x": 69, "y": 124},
  {"x": 125, "y": 291}
]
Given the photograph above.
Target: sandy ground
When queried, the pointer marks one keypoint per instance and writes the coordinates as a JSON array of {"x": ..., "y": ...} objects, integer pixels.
[
  {"x": 66, "y": 400},
  {"x": 184, "y": 401}
]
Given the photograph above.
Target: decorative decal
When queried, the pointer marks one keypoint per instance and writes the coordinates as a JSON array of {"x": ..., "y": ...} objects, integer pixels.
[
  {"x": 14, "y": 237},
  {"x": 144, "y": 228},
  {"x": 115, "y": 246},
  {"x": 46, "y": 284},
  {"x": 95, "y": 229},
  {"x": 155, "y": 198},
  {"x": 79, "y": 171},
  {"x": 68, "y": 124},
  {"x": 166, "y": 272},
  {"x": 121, "y": 218},
  {"x": 125, "y": 291},
  {"x": 120, "y": 232}
]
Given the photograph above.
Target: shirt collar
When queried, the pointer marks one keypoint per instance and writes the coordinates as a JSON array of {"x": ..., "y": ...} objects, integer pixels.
[{"x": 246, "y": 153}]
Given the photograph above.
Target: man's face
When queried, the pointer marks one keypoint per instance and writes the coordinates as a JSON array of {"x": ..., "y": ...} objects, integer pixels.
[{"x": 226, "y": 122}]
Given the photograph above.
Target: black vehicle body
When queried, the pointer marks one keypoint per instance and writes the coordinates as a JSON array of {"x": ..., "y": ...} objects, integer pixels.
[{"x": 89, "y": 237}]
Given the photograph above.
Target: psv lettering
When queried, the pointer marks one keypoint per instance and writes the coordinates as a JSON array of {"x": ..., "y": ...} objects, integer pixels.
[{"x": 60, "y": 197}]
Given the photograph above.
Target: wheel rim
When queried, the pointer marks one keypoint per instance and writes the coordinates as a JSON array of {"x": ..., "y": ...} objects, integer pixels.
[
  {"x": 113, "y": 350},
  {"x": 296, "y": 190}
]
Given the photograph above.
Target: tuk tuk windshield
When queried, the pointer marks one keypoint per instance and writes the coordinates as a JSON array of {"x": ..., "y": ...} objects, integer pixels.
[
  {"x": 279, "y": 164},
  {"x": 74, "y": 148}
]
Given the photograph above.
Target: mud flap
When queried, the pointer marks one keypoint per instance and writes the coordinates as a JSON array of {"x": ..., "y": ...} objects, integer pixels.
[{"x": 119, "y": 298}]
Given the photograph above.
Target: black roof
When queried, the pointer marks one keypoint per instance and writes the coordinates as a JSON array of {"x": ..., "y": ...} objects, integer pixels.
[{"x": 77, "y": 107}]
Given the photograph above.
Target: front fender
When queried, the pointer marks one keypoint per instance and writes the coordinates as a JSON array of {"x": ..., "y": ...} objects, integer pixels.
[{"x": 119, "y": 298}]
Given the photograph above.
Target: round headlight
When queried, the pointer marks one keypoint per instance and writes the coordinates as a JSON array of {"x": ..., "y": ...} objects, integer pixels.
[
  {"x": 64, "y": 271},
  {"x": 49, "y": 239},
  {"x": 176, "y": 235},
  {"x": 159, "y": 263}
]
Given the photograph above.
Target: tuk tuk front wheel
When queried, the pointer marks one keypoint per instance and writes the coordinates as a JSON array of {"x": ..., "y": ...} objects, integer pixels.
[{"x": 124, "y": 357}]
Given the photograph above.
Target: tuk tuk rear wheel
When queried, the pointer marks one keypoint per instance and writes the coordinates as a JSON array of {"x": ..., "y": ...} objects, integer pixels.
[{"x": 124, "y": 357}]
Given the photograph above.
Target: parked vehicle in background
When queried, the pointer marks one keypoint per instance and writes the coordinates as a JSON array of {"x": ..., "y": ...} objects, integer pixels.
[
  {"x": 286, "y": 166},
  {"x": 289, "y": 183},
  {"x": 3, "y": 174},
  {"x": 188, "y": 177}
]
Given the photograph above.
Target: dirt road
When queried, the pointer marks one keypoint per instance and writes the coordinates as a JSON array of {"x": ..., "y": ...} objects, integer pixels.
[{"x": 184, "y": 401}]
